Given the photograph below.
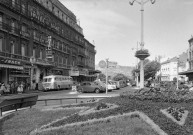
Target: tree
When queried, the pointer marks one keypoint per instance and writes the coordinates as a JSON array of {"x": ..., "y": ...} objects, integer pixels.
[
  {"x": 119, "y": 76},
  {"x": 102, "y": 77},
  {"x": 150, "y": 68}
]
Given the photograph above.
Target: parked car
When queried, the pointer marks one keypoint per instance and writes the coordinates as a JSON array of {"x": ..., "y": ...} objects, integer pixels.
[
  {"x": 117, "y": 84},
  {"x": 91, "y": 87},
  {"x": 103, "y": 84},
  {"x": 112, "y": 85}
]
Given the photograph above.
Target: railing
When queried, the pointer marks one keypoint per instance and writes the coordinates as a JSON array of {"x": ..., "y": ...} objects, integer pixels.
[
  {"x": 16, "y": 106},
  {"x": 81, "y": 63},
  {"x": 15, "y": 56},
  {"x": 25, "y": 34},
  {"x": 61, "y": 99}
]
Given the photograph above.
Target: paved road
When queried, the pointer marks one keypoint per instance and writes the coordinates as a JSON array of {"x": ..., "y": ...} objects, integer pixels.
[{"x": 71, "y": 94}]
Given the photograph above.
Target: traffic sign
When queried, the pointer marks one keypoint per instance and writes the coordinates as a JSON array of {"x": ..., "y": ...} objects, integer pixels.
[{"x": 102, "y": 64}]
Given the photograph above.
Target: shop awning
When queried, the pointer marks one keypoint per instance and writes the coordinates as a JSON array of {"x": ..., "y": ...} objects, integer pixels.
[
  {"x": 186, "y": 72},
  {"x": 11, "y": 66}
]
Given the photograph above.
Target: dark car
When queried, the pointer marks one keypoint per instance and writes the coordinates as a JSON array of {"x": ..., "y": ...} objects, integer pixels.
[{"x": 91, "y": 87}]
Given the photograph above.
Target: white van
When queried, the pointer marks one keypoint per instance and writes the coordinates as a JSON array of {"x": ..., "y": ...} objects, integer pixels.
[{"x": 57, "y": 82}]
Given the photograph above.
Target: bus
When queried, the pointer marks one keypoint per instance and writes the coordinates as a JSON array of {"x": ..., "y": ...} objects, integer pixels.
[{"x": 57, "y": 82}]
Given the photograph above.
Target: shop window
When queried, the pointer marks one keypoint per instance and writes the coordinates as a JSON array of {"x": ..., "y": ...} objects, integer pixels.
[{"x": 1, "y": 44}]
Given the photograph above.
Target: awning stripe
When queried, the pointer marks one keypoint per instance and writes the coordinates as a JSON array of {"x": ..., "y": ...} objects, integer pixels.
[{"x": 11, "y": 66}]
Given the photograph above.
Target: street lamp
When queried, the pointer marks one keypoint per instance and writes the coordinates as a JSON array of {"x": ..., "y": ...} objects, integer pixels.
[
  {"x": 142, "y": 56},
  {"x": 136, "y": 73}
]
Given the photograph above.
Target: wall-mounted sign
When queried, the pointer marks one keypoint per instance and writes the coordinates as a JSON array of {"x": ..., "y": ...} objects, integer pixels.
[
  {"x": 10, "y": 61},
  {"x": 49, "y": 53},
  {"x": 102, "y": 64}
]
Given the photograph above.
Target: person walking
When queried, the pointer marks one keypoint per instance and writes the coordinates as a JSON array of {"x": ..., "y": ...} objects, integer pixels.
[
  {"x": 3, "y": 88},
  {"x": 7, "y": 89},
  {"x": 20, "y": 89}
]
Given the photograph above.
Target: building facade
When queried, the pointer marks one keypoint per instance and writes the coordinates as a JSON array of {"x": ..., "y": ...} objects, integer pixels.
[
  {"x": 189, "y": 71},
  {"x": 172, "y": 66},
  {"x": 39, "y": 38}
]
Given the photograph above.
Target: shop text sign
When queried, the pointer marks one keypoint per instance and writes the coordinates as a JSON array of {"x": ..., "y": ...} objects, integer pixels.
[{"x": 9, "y": 61}]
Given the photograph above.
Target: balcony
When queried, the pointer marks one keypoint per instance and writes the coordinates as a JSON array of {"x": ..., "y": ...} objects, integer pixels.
[
  {"x": 80, "y": 63},
  {"x": 15, "y": 56},
  {"x": 36, "y": 39},
  {"x": 25, "y": 34},
  {"x": 15, "y": 6},
  {"x": 81, "y": 53}
]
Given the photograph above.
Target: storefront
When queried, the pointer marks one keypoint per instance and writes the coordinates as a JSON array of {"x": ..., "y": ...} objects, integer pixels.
[{"x": 14, "y": 72}]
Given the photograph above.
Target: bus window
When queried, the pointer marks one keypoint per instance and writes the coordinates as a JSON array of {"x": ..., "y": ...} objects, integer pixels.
[{"x": 47, "y": 79}]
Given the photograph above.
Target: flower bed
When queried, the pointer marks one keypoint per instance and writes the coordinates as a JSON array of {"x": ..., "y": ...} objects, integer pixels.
[
  {"x": 98, "y": 108},
  {"x": 178, "y": 115}
]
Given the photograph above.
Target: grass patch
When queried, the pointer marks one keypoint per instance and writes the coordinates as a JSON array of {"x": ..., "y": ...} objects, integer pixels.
[
  {"x": 151, "y": 109},
  {"x": 23, "y": 122},
  {"x": 123, "y": 124}
]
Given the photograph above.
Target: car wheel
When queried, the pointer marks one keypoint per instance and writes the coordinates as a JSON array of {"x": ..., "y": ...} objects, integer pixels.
[
  {"x": 97, "y": 90},
  {"x": 80, "y": 90}
]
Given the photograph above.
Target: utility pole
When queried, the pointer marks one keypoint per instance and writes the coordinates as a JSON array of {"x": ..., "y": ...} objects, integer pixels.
[{"x": 107, "y": 61}]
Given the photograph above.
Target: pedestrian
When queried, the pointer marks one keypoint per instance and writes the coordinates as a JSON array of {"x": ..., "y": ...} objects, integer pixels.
[
  {"x": 20, "y": 89},
  {"x": 8, "y": 88},
  {"x": 3, "y": 88}
]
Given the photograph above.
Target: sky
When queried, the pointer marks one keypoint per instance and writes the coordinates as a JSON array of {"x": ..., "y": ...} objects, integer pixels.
[{"x": 115, "y": 27}]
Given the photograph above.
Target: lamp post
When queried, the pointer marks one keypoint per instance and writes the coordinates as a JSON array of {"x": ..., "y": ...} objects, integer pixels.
[
  {"x": 136, "y": 73},
  {"x": 142, "y": 55}
]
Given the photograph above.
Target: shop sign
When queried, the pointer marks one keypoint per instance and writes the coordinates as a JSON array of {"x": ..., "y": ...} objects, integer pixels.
[
  {"x": 73, "y": 73},
  {"x": 10, "y": 61},
  {"x": 112, "y": 64},
  {"x": 82, "y": 72}
]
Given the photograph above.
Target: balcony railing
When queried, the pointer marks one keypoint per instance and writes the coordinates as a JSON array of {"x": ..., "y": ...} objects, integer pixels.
[
  {"x": 82, "y": 53},
  {"x": 81, "y": 63},
  {"x": 14, "y": 56},
  {"x": 25, "y": 34},
  {"x": 9, "y": 28}
]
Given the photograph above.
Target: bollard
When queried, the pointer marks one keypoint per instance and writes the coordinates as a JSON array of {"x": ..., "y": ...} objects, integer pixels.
[
  {"x": 60, "y": 101},
  {"x": 45, "y": 102},
  {"x": 76, "y": 100}
]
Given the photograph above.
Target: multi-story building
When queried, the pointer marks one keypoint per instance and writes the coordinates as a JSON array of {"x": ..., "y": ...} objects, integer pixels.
[
  {"x": 189, "y": 71},
  {"x": 172, "y": 66},
  {"x": 39, "y": 38}
]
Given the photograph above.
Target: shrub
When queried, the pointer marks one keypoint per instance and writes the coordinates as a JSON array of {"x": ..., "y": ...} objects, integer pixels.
[{"x": 101, "y": 105}]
